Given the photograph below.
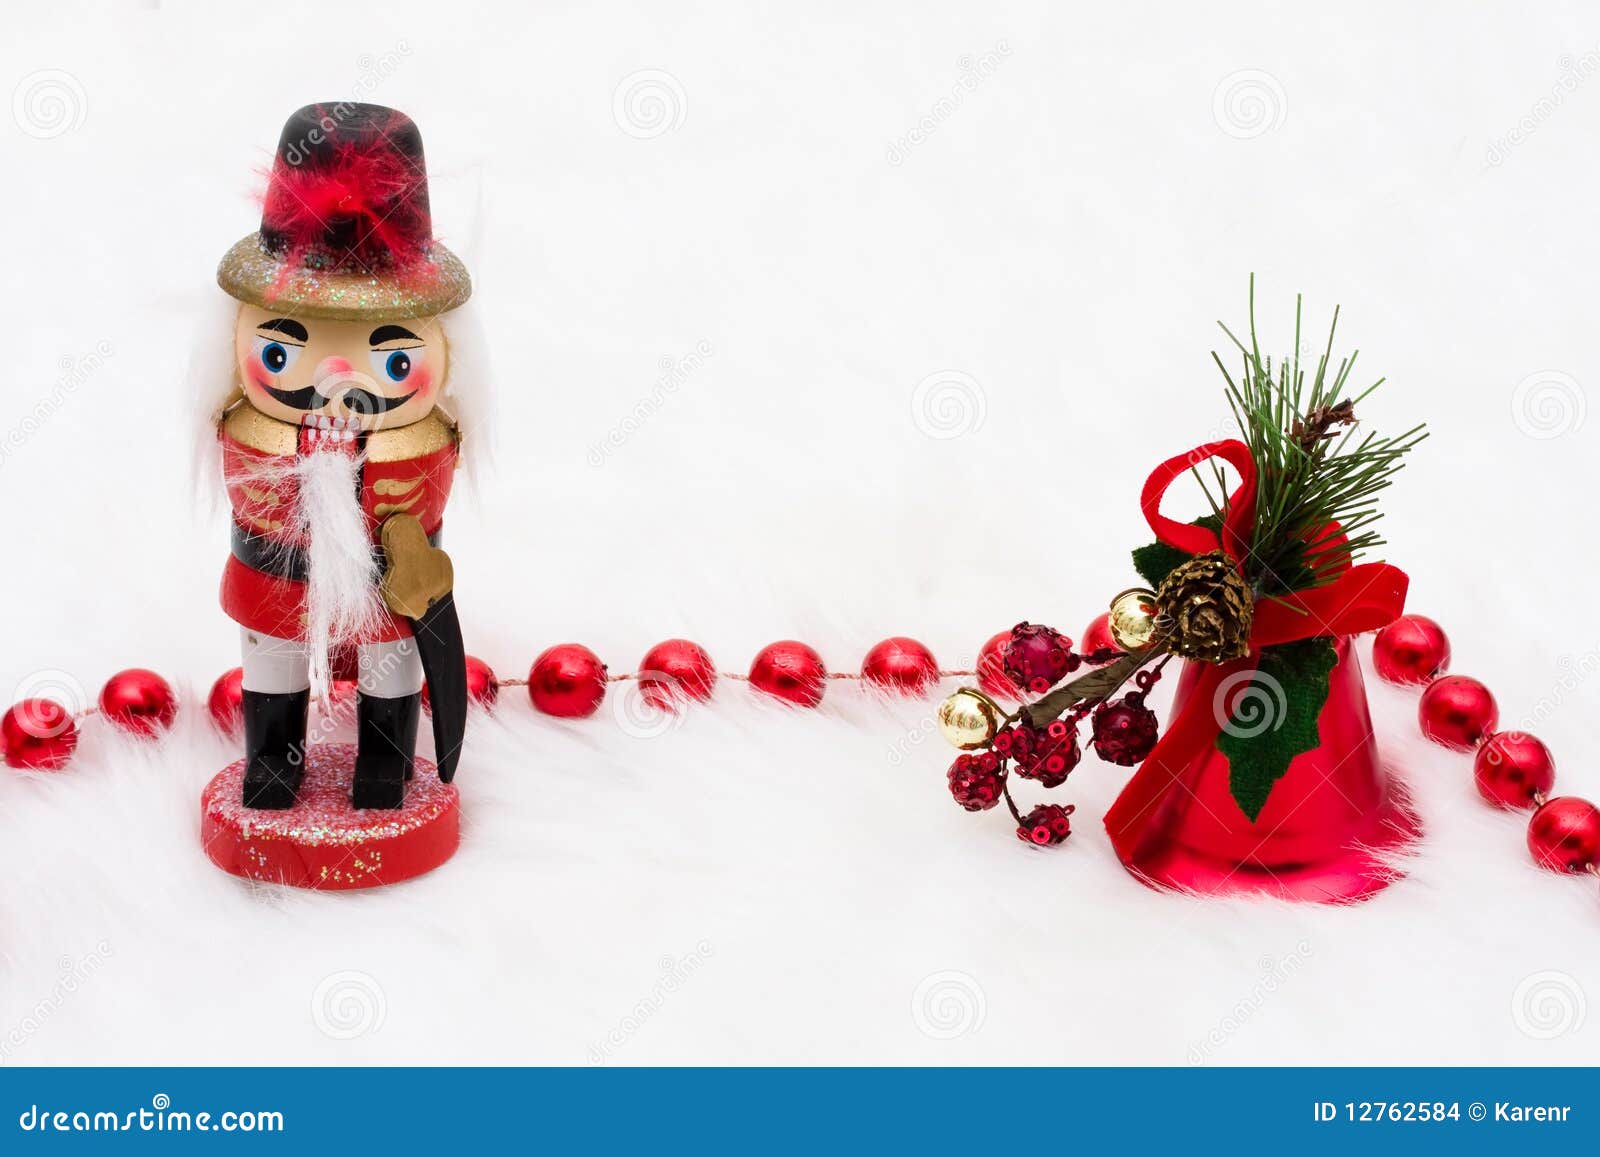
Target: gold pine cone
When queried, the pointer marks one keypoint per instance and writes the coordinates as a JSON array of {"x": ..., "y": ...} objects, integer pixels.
[{"x": 1207, "y": 609}]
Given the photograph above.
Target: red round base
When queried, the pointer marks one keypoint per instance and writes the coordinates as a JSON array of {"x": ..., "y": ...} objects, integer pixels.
[{"x": 324, "y": 843}]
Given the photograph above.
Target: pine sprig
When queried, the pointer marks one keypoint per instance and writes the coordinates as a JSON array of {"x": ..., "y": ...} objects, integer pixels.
[{"x": 1311, "y": 468}]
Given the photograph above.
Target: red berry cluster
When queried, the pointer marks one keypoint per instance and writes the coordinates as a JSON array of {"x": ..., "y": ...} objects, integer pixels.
[
  {"x": 978, "y": 781},
  {"x": 1047, "y": 754},
  {"x": 1037, "y": 657},
  {"x": 1046, "y": 825},
  {"x": 1125, "y": 730}
]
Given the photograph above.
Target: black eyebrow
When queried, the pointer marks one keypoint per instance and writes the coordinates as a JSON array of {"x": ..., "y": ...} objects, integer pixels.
[
  {"x": 288, "y": 327},
  {"x": 391, "y": 333}
]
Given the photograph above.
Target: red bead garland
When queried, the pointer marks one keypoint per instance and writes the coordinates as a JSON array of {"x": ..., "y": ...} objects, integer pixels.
[
  {"x": 1411, "y": 650},
  {"x": 483, "y": 688},
  {"x": 1564, "y": 834},
  {"x": 992, "y": 677},
  {"x": 790, "y": 671},
  {"x": 1513, "y": 769},
  {"x": 1097, "y": 637},
  {"x": 1457, "y": 712},
  {"x": 38, "y": 734},
  {"x": 676, "y": 670},
  {"x": 901, "y": 665},
  {"x": 226, "y": 701},
  {"x": 567, "y": 680},
  {"x": 139, "y": 701}
]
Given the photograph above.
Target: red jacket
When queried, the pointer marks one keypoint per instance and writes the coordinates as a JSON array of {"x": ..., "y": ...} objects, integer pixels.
[{"x": 406, "y": 469}]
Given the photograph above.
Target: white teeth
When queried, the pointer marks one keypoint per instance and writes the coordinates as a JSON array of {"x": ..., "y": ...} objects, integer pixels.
[
  {"x": 347, "y": 437},
  {"x": 325, "y": 422}
]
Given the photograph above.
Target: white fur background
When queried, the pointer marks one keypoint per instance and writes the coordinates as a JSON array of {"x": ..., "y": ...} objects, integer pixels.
[{"x": 1087, "y": 193}]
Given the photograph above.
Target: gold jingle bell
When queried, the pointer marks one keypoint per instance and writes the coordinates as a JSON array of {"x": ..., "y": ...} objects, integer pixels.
[
  {"x": 1133, "y": 618},
  {"x": 969, "y": 719}
]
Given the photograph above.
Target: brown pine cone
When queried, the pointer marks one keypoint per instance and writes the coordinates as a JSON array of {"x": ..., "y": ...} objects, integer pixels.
[{"x": 1206, "y": 609}]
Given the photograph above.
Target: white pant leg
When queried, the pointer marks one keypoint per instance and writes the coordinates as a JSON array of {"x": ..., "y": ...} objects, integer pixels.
[
  {"x": 389, "y": 670},
  {"x": 274, "y": 666}
]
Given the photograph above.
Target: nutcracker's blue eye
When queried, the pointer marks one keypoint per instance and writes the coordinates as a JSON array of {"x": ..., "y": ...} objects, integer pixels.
[
  {"x": 276, "y": 356},
  {"x": 397, "y": 365}
]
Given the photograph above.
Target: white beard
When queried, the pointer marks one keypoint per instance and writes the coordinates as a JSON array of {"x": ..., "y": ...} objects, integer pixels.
[{"x": 342, "y": 602}]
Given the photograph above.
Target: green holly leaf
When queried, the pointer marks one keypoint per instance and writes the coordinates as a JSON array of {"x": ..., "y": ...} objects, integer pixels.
[
  {"x": 1156, "y": 561},
  {"x": 1275, "y": 718}
]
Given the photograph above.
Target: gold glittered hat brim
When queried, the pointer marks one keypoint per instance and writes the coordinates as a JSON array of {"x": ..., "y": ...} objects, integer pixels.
[{"x": 250, "y": 274}]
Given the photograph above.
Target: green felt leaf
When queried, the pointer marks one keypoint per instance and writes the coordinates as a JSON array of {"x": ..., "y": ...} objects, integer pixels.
[
  {"x": 1275, "y": 719},
  {"x": 1157, "y": 560}
]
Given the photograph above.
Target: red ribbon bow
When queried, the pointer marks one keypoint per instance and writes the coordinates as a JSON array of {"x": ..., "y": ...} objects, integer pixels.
[{"x": 1359, "y": 598}]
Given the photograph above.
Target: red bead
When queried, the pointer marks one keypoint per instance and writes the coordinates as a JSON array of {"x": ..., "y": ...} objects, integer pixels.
[
  {"x": 1125, "y": 730},
  {"x": 900, "y": 664},
  {"x": 38, "y": 733},
  {"x": 1037, "y": 657},
  {"x": 1511, "y": 768},
  {"x": 791, "y": 671},
  {"x": 1046, "y": 825},
  {"x": 226, "y": 702},
  {"x": 1457, "y": 712},
  {"x": 139, "y": 701},
  {"x": 1412, "y": 649},
  {"x": 1097, "y": 635},
  {"x": 568, "y": 680},
  {"x": 975, "y": 783},
  {"x": 674, "y": 671},
  {"x": 992, "y": 677},
  {"x": 1564, "y": 835},
  {"x": 482, "y": 686}
]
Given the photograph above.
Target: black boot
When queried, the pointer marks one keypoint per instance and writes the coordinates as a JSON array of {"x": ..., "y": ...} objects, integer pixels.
[
  {"x": 274, "y": 748},
  {"x": 386, "y": 742}
]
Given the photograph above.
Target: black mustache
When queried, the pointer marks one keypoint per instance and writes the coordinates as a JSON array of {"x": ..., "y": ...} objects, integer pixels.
[{"x": 356, "y": 400}]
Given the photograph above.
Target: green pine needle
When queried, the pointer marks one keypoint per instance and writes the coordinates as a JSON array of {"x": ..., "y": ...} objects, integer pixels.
[{"x": 1309, "y": 472}]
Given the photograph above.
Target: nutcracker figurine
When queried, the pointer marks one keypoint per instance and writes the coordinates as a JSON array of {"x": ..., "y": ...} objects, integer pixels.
[{"x": 339, "y": 441}]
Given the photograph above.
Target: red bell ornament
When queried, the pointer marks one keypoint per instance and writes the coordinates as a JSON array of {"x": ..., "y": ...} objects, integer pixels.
[
  {"x": 1564, "y": 834},
  {"x": 1512, "y": 768},
  {"x": 139, "y": 701},
  {"x": 1411, "y": 650},
  {"x": 790, "y": 671},
  {"x": 676, "y": 670},
  {"x": 992, "y": 677},
  {"x": 1457, "y": 712},
  {"x": 226, "y": 701},
  {"x": 901, "y": 665},
  {"x": 567, "y": 680},
  {"x": 38, "y": 734}
]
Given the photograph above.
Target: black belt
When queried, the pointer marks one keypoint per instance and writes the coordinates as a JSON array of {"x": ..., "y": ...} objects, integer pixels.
[{"x": 270, "y": 556}]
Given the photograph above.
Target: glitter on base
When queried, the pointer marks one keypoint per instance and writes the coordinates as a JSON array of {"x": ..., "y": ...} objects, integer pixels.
[{"x": 324, "y": 843}]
